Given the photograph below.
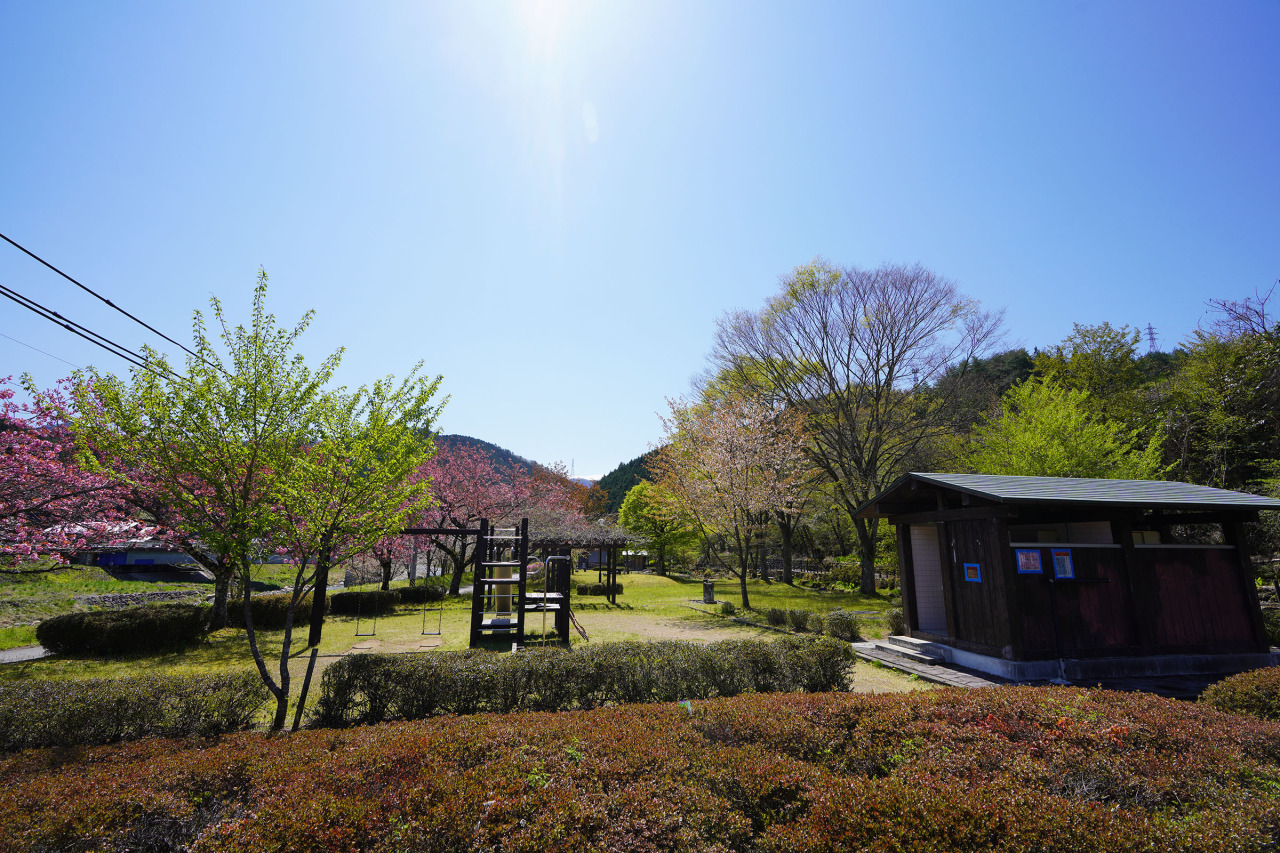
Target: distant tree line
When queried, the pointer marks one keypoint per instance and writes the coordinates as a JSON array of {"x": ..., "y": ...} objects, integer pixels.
[{"x": 894, "y": 370}]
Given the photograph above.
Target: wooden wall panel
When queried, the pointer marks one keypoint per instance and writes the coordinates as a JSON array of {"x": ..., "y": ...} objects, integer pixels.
[
  {"x": 982, "y": 613},
  {"x": 1193, "y": 597}
]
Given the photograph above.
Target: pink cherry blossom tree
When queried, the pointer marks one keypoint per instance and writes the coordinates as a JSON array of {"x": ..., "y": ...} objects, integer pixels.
[
  {"x": 729, "y": 464},
  {"x": 50, "y": 505}
]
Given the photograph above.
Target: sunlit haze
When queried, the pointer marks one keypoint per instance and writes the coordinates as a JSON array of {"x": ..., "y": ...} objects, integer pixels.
[{"x": 550, "y": 203}]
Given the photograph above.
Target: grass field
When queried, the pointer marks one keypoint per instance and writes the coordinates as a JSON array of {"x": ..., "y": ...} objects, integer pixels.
[
  {"x": 650, "y": 607},
  {"x": 27, "y": 599}
]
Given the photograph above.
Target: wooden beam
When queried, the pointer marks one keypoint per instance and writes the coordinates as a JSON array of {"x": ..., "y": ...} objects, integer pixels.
[{"x": 968, "y": 514}]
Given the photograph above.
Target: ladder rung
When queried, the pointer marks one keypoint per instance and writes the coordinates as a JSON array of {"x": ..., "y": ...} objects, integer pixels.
[
  {"x": 514, "y": 579},
  {"x": 503, "y": 563},
  {"x": 497, "y": 623},
  {"x": 538, "y": 608},
  {"x": 547, "y": 595}
]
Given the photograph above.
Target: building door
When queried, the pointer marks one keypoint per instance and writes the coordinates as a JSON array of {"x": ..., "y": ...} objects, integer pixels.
[{"x": 926, "y": 574}]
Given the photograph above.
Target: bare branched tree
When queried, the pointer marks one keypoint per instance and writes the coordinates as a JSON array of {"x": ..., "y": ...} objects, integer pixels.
[
  {"x": 1241, "y": 318},
  {"x": 860, "y": 352}
]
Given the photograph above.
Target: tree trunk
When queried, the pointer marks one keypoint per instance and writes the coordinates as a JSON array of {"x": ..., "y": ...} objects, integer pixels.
[
  {"x": 221, "y": 592},
  {"x": 318, "y": 600},
  {"x": 786, "y": 532},
  {"x": 867, "y": 556},
  {"x": 385, "y": 562}
]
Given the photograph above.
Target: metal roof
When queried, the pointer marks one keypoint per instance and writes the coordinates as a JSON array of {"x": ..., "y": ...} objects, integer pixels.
[{"x": 1079, "y": 490}]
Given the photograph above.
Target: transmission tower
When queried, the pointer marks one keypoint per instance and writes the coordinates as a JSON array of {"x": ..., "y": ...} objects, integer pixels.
[{"x": 1151, "y": 338}]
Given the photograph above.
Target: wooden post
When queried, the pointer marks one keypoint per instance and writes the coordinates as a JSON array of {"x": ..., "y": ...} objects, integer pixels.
[
  {"x": 907, "y": 578},
  {"x": 947, "y": 565},
  {"x": 1233, "y": 533},
  {"x": 1138, "y": 616},
  {"x": 477, "y": 586},
  {"x": 522, "y": 557},
  {"x": 564, "y": 582}
]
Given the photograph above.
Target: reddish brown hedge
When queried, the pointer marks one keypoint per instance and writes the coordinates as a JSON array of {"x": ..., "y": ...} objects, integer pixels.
[{"x": 1009, "y": 769}]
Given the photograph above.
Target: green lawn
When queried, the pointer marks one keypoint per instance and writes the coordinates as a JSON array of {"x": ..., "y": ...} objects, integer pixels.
[
  {"x": 27, "y": 599},
  {"x": 650, "y": 607}
]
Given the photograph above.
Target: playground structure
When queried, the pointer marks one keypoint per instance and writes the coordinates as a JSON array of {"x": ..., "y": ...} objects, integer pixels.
[{"x": 524, "y": 598}]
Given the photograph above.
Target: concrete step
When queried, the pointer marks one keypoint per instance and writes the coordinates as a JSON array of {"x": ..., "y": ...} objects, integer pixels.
[
  {"x": 920, "y": 647},
  {"x": 919, "y": 655}
]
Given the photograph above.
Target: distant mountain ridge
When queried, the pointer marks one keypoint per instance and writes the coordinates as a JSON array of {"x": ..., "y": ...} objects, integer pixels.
[
  {"x": 620, "y": 480},
  {"x": 445, "y": 443}
]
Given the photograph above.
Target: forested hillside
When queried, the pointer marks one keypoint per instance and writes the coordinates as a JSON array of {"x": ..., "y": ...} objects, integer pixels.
[{"x": 620, "y": 480}]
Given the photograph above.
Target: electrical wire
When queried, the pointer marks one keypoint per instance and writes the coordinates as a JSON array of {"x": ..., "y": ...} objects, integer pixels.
[
  {"x": 42, "y": 352},
  {"x": 94, "y": 293},
  {"x": 83, "y": 331}
]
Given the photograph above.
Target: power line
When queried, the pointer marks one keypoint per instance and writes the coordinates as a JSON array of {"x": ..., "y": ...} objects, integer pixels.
[
  {"x": 83, "y": 331},
  {"x": 94, "y": 293},
  {"x": 42, "y": 352}
]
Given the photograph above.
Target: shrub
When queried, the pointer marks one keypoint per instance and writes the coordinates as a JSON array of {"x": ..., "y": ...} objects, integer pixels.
[
  {"x": 599, "y": 589},
  {"x": 798, "y": 620},
  {"x": 816, "y": 623},
  {"x": 100, "y": 710},
  {"x": 1256, "y": 693},
  {"x": 728, "y": 608},
  {"x": 895, "y": 622},
  {"x": 364, "y": 602},
  {"x": 122, "y": 632},
  {"x": 775, "y": 616},
  {"x": 269, "y": 612},
  {"x": 844, "y": 625},
  {"x": 1271, "y": 621},
  {"x": 423, "y": 593},
  {"x": 999, "y": 770},
  {"x": 371, "y": 688}
]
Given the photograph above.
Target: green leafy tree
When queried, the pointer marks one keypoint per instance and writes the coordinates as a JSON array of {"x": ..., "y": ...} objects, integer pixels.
[
  {"x": 1044, "y": 429},
  {"x": 214, "y": 443},
  {"x": 1102, "y": 361},
  {"x": 348, "y": 490},
  {"x": 648, "y": 514},
  {"x": 254, "y": 455},
  {"x": 1223, "y": 409}
]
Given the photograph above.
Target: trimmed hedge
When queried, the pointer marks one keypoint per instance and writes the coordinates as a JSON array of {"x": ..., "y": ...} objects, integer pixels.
[
  {"x": 599, "y": 589},
  {"x": 270, "y": 611},
  {"x": 368, "y": 602},
  {"x": 798, "y": 620},
  {"x": 423, "y": 593},
  {"x": 775, "y": 616},
  {"x": 101, "y": 710},
  {"x": 1256, "y": 693},
  {"x": 371, "y": 688},
  {"x": 123, "y": 632},
  {"x": 895, "y": 622},
  {"x": 844, "y": 625},
  {"x": 1004, "y": 769}
]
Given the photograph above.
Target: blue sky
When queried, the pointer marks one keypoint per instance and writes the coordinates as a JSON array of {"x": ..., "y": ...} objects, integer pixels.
[{"x": 551, "y": 203}]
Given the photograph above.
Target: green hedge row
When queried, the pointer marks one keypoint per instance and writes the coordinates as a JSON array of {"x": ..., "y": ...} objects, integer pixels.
[
  {"x": 599, "y": 589},
  {"x": 1256, "y": 693},
  {"x": 114, "y": 632},
  {"x": 370, "y": 688},
  {"x": 841, "y": 624},
  {"x": 100, "y": 710},
  {"x": 269, "y": 611},
  {"x": 423, "y": 593},
  {"x": 371, "y": 602}
]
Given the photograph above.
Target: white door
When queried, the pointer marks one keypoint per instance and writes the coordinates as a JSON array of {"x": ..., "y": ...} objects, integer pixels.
[{"x": 927, "y": 579}]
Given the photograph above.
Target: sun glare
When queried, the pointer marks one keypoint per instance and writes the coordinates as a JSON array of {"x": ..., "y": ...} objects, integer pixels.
[{"x": 545, "y": 21}]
